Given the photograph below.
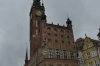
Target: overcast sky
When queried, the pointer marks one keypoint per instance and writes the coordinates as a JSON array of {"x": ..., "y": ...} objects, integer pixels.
[{"x": 14, "y": 24}]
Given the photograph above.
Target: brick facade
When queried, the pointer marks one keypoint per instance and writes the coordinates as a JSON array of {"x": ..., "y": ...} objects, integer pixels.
[{"x": 48, "y": 42}]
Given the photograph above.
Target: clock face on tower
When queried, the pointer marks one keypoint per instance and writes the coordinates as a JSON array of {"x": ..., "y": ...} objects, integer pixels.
[{"x": 38, "y": 13}]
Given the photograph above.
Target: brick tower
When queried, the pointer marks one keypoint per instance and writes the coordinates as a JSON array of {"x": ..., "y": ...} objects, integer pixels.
[{"x": 50, "y": 44}]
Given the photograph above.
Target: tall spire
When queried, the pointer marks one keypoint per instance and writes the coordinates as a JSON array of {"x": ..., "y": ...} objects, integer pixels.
[{"x": 26, "y": 58}]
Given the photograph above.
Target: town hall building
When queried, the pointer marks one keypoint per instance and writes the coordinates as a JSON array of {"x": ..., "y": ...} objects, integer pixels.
[{"x": 50, "y": 44}]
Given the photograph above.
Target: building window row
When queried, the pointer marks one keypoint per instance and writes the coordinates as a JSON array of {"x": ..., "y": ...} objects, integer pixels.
[
  {"x": 57, "y": 35},
  {"x": 58, "y": 53},
  {"x": 56, "y": 41},
  {"x": 96, "y": 63}
]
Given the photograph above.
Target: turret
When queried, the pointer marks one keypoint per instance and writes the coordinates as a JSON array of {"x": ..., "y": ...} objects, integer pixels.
[
  {"x": 69, "y": 24},
  {"x": 43, "y": 17},
  {"x": 99, "y": 34},
  {"x": 26, "y": 58}
]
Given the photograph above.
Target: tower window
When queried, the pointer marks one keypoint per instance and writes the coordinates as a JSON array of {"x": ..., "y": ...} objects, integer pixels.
[
  {"x": 58, "y": 53},
  {"x": 56, "y": 41},
  {"x": 49, "y": 34},
  {"x": 49, "y": 40},
  {"x": 71, "y": 55},
  {"x": 68, "y": 42},
  {"x": 62, "y": 41},
  {"x": 55, "y": 35},
  {"x": 62, "y": 36},
  {"x": 50, "y": 54},
  {"x": 65, "y": 54},
  {"x": 67, "y": 36}
]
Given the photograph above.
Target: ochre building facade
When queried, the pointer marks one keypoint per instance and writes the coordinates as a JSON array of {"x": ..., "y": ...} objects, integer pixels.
[{"x": 50, "y": 44}]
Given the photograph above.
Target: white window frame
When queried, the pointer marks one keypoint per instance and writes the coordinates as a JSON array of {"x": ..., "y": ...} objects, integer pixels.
[
  {"x": 90, "y": 64},
  {"x": 97, "y": 63}
]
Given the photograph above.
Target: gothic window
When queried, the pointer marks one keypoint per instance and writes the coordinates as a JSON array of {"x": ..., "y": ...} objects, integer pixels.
[
  {"x": 97, "y": 63},
  {"x": 58, "y": 53},
  {"x": 90, "y": 64},
  {"x": 50, "y": 53},
  {"x": 65, "y": 54},
  {"x": 71, "y": 55},
  {"x": 88, "y": 55}
]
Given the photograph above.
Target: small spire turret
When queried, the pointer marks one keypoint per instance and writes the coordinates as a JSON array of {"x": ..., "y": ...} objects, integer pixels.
[{"x": 43, "y": 16}]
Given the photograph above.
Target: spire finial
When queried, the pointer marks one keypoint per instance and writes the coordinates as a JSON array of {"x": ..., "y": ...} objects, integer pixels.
[
  {"x": 85, "y": 35},
  {"x": 26, "y": 58},
  {"x": 99, "y": 28},
  {"x": 67, "y": 15},
  {"x": 42, "y": 3}
]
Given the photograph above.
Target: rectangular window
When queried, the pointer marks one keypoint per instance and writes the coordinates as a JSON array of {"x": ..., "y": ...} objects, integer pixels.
[
  {"x": 94, "y": 53},
  {"x": 56, "y": 41},
  {"x": 88, "y": 55},
  {"x": 90, "y": 64},
  {"x": 62, "y": 41},
  {"x": 97, "y": 63},
  {"x": 71, "y": 55},
  {"x": 49, "y": 34},
  {"x": 87, "y": 46},
  {"x": 49, "y": 40},
  {"x": 58, "y": 53},
  {"x": 36, "y": 23},
  {"x": 55, "y": 35},
  {"x": 65, "y": 54},
  {"x": 62, "y": 36},
  {"x": 50, "y": 53}
]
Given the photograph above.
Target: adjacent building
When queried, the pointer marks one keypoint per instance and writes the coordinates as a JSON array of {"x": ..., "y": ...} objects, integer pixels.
[
  {"x": 79, "y": 44},
  {"x": 50, "y": 44},
  {"x": 90, "y": 52}
]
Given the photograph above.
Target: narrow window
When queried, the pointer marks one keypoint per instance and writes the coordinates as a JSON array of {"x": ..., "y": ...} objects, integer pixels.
[
  {"x": 71, "y": 55},
  {"x": 68, "y": 42},
  {"x": 56, "y": 41},
  {"x": 62, "y": 36},
  {"x": 48, "y": 34},
  {"x": 67, "y": 36},
  {"x": 55, "y": 35},
  {"x": 90, "y": 63},
  {"x": 62, "y": 41},
  {"x": 50, "y": 54},
  {"x": 97, "y": 63},
  {"x": 88, "y": 55},
  {"x": 58, "y": 53},
  {"x": 65, "y": 54},
  {"x": 49, "y": 40}
]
